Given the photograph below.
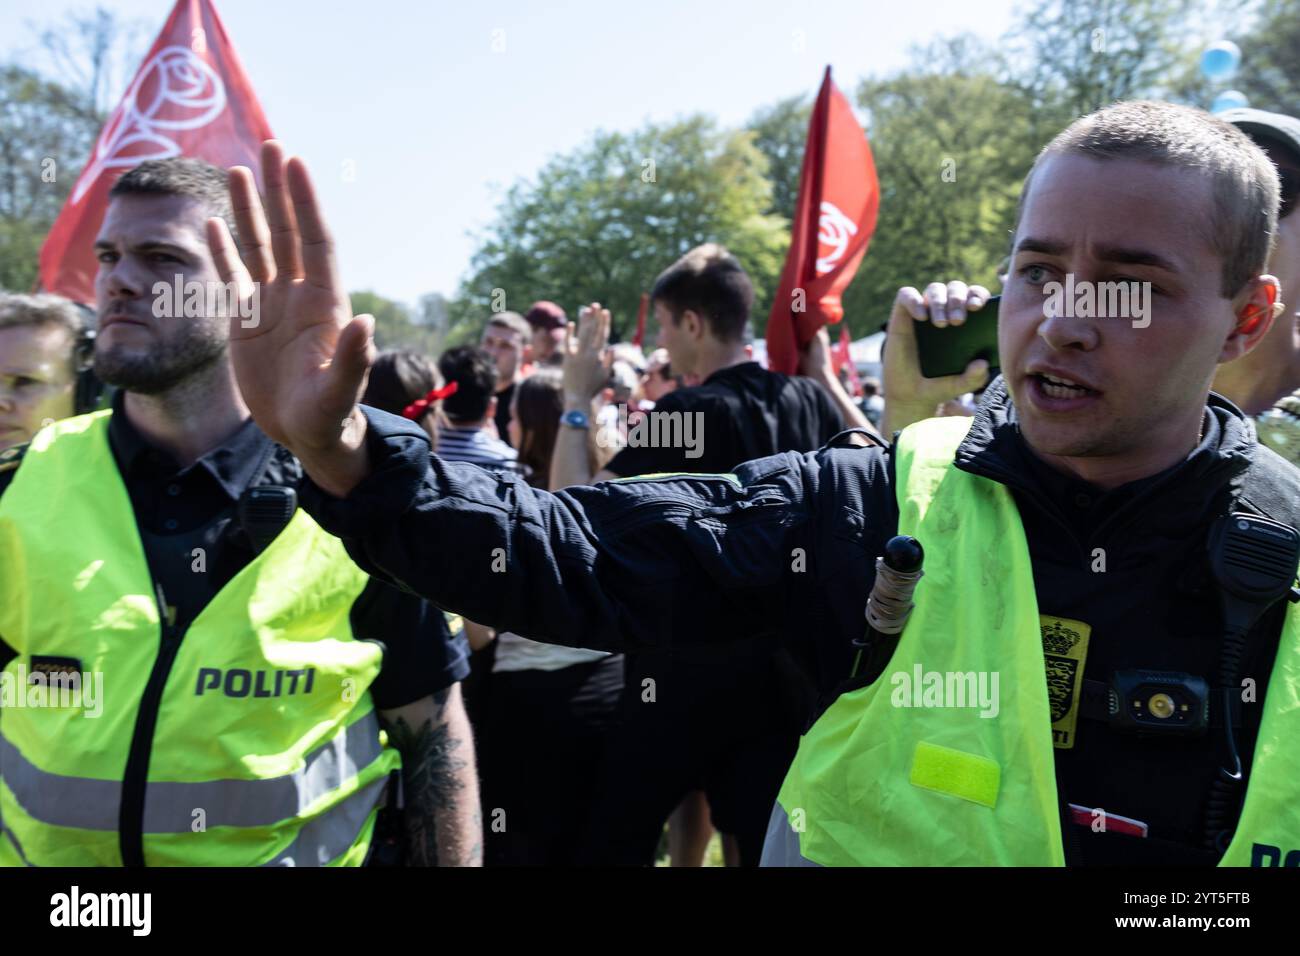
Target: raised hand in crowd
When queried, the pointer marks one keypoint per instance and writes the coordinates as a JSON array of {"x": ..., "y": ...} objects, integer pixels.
[
  {"x": 578, "y": 455},
  {"x": 586, "y": 359}
]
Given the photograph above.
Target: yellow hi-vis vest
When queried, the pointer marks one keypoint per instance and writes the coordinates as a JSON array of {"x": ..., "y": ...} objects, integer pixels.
[
  {"x": 876, "y": 784},
  {"x": 266, "y": 748}
]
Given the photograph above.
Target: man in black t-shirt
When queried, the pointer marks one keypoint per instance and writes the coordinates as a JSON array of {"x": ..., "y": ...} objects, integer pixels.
[
  {"x": 739, "y": 410},
  {"x": 746, "y": 412},
  {"x": 725, "y": 719}
]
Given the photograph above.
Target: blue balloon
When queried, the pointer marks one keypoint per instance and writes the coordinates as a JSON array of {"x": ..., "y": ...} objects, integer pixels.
[
  {"x": 1229, "y": 100},
  {"x": 1220, "y": 60}
]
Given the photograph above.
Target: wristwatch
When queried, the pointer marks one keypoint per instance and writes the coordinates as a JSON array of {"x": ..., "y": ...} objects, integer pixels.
[{"x": 575, "y": 419}]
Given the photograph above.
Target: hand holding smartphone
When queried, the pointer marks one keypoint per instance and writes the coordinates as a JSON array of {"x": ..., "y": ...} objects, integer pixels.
[
  {"x": 926, "y": 364},
  {"x": 948, "y": 350}
]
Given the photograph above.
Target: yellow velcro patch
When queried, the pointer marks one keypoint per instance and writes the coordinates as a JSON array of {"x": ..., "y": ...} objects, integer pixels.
[{"x": 956, "y": 772}]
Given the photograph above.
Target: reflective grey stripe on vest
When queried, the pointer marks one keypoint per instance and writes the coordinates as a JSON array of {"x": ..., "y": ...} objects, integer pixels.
[
  {"x": 781, "y": 846},
  {"x": 13, "y": 839},
  {"x": 87, "y": 804},
  {"x": 330, "y": 835},
  {"x": 5, "y": 832}
]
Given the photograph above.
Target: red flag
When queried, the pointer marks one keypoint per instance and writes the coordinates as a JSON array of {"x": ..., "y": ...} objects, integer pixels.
[
  {"x": 842, "y": 356},
  {"x": 641, "y": 310},
  {"x": 190, "y": 97},
  {"x": 833, "y": 222}
]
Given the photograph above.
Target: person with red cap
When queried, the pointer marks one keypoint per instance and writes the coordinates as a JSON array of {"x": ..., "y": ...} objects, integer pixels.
[{"x": 549, "y": 322}]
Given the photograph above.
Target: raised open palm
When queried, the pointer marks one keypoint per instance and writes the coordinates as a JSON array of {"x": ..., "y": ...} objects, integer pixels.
[{"x": 302, "y": 360}]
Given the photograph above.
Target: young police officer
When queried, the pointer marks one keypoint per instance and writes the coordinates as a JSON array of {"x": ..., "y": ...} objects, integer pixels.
[
  {"x": 231, "y": 666},
  {"x": 1067, "y": 526}
]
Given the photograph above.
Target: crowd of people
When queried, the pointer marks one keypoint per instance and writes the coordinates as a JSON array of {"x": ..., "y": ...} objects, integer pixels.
[
  {"x": 593, "y": 771},
  {"x": 601, "y": 601},
  {"x": 562, "y": 741}
]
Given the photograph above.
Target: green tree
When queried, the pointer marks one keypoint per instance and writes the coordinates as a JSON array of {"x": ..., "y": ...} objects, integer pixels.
[
  {"x": 781, "y": 134},
  {"x": 93, "y": 54},
  {"x": 1270, "y": 58},
  {"x": 951, "y": 149},
  {"x": 48, "y": 128},
  {"x": 432, "y": 317},
  {"x": 44, "y": 139},
  {"x": 1073, "y": 58},
  {"x": 466, "y": 317},
  {"x": 431, "y": 312},
  {"x": 601, "y": 222},
  {"x": 395, "y": 324}
]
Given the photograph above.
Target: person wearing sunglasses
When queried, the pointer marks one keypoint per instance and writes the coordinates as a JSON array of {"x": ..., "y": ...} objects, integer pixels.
[{"x": 1266, "y": 382}]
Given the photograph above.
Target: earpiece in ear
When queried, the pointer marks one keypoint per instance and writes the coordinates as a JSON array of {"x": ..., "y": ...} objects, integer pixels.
[
  {"x": 1252, "y": 315},
  {"x": 84, "y": 350},
  {"x": 88, "y": 388},
  {"x": 1250, "y": 318}
]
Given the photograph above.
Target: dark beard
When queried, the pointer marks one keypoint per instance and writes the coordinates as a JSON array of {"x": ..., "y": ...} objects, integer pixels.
[{"x": 159, "y": 371}]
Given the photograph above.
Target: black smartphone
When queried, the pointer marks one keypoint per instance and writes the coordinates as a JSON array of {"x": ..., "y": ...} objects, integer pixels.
[{"x": 949, "y": 350}]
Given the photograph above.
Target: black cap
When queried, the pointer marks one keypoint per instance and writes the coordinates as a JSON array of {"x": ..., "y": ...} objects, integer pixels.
[{"x": 1272, "y": 126}]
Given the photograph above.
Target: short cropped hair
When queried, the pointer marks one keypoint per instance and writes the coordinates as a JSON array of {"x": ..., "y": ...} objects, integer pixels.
[
  {"x": 475, "y": 373},
  {"x": 17, "y": 309},
  {"x": 512, "y": 321},
  {"x": 180, "y": 176},
  {"x": 711, "y": 283},
  {"x": 1242, "y": 224}
]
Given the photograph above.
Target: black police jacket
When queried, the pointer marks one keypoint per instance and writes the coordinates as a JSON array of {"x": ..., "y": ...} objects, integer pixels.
[{"x": 784, "y": 551}]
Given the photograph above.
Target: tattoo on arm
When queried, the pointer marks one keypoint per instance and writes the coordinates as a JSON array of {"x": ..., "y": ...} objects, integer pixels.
[{"x": 437, "y": 771}]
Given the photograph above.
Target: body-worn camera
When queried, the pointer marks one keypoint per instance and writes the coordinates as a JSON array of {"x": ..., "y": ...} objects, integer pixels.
[{"x": 1159, "y": 702}]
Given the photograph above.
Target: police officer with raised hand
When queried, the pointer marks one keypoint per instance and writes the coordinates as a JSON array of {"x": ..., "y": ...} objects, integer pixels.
[
  {"x": 1100, "y": 665},
  {"x": 194, "y": 673}
]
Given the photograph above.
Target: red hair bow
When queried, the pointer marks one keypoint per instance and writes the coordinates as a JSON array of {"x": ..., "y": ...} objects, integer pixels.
[{"x": 420, "y": 406}]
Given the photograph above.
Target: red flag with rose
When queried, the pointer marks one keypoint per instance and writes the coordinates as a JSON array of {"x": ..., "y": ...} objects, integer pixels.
[
  {"x": 190, "y": 97},
  {"x": 834, "y": 219}
]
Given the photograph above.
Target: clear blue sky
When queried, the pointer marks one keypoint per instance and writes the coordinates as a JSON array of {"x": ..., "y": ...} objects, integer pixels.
[{"x": 438, "y": 125}]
